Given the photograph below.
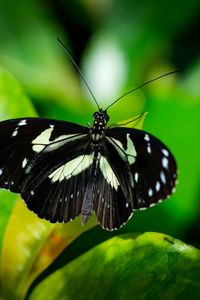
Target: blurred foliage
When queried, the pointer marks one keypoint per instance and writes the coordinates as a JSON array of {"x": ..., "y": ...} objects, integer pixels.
[{"x": 119, "y": 45}]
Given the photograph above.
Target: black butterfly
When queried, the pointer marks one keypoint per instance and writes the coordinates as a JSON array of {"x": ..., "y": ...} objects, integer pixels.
[{"x": 63, "y": 169}]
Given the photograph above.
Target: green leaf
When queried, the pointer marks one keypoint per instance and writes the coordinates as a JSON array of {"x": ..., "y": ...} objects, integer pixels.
[
  {"x": 13, "y": 101},
  {"x": 148, "y": 266},
  {"x": 136, "y": 122},
  {"x": 36, "y": 58}
]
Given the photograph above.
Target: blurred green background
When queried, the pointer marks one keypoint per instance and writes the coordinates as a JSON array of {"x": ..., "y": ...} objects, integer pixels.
[{"x": 118, "y": 46}]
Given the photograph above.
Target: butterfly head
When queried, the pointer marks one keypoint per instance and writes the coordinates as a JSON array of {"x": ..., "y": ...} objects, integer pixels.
[{"x": 101, "y": 118}]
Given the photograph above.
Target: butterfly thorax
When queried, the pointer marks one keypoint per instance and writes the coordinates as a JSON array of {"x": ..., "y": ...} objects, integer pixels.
[{"x": 99, "y": 126}]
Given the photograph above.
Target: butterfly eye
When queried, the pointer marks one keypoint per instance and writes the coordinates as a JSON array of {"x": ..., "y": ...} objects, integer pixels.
[{"x": 96, "y": 115}]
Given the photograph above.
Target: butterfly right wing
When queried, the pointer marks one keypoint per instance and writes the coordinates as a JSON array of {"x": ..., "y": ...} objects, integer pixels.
[
  {"x": 136, "y": 171},
  {"x": 47, "y": 162}
]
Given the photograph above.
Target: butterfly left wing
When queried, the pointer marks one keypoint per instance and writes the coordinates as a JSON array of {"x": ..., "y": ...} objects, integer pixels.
[
  {"x": 140, "y": 171},
  {"x": 47, "y": 162}
]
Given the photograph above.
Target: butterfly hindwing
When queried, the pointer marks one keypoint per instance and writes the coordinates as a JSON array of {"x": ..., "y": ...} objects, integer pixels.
[
  {"x": 113, "y": 193},
  {"x": 57, "y": 195},
  {"x": 39, "y": 161}
]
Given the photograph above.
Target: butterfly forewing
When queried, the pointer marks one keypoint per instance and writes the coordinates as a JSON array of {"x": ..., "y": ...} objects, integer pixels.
[{"x": 46, "y": 161}]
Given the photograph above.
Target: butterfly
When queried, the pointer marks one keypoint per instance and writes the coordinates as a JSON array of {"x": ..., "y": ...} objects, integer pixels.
[{"x": 63, "y": 170}]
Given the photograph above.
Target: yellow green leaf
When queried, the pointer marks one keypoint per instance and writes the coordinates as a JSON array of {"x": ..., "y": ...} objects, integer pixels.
[
  {"x": 136, "y": 122},
  {"x": 30, "y": 245}
]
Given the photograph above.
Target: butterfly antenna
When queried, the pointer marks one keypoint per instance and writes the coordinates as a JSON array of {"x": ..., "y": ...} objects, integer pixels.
[
  {"x": 140, "y": 87},
  {"x": 79, "y": 70}
]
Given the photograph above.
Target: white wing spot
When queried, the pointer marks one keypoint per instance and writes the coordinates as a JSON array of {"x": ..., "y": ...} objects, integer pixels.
[
  {"x": 63, "y": 139},
  {"x": 150, "y": 192},
  {"x": 136, "y": 177},
  {"x": 71, "y": 168},
  {"x": 130, "y": 152},
  {"x": 24, "y": 162},
  {"x": 162, "y": 177},
  {"x": 174, "y": 189},
  {"x": 118, "y": 143},
  {"x": 32, "y": 193},
  {"x": 42, "y": 141},
  {"x": 165, "y": 152},
  {"x": 157, "y": 186},
  {"x": 147, "y": 137},
  {"x": 149, "y": 148},
  {"x": 22, "y": 122},
  {"x": 143, "y": 208},
  {"x": 15, "y": 132},
  {"x": 165, "y": 163},
  {"x": 108, "y": 173}
]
